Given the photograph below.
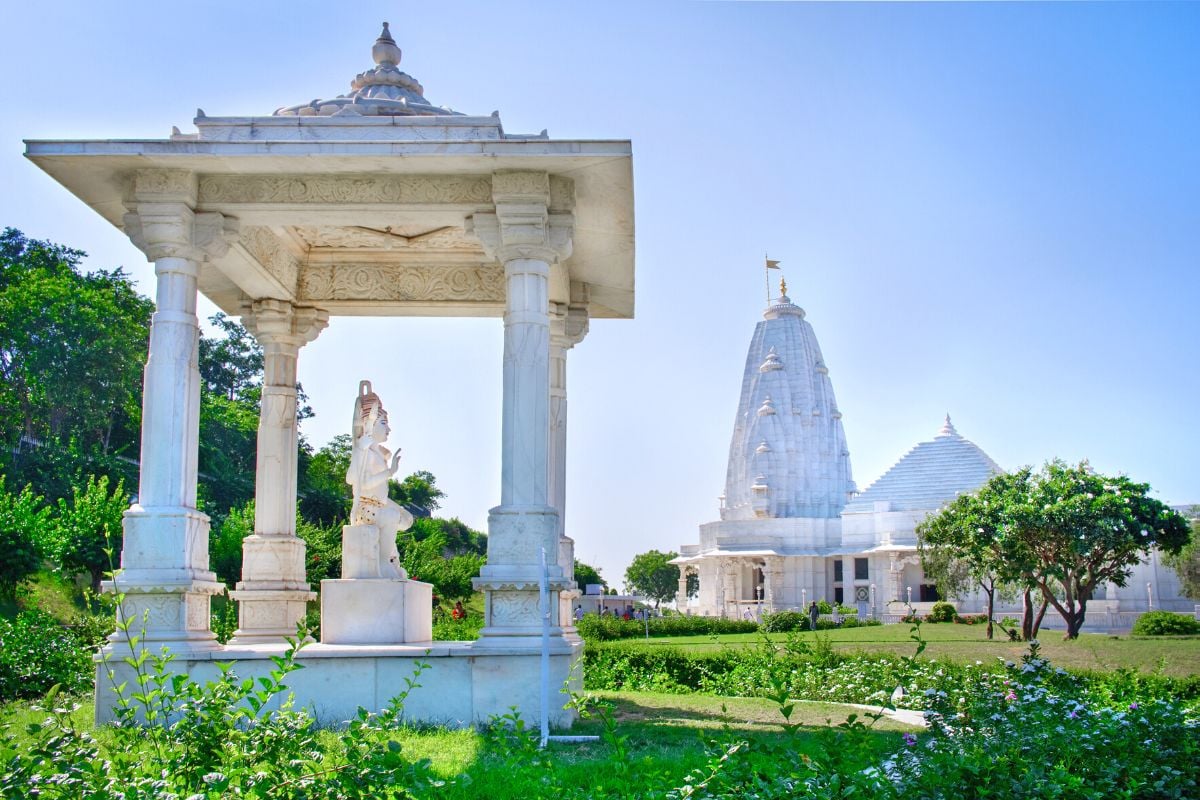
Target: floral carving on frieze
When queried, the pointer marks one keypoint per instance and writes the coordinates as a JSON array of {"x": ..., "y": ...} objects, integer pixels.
[
  {"x": 326, "y": 282},
  {"x": 337, "y": 189}
]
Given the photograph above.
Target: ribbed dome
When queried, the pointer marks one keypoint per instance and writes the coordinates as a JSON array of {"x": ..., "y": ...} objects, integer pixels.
[
  {"x": 788, "y": 456},
  {"x": 930, "y": 475}
]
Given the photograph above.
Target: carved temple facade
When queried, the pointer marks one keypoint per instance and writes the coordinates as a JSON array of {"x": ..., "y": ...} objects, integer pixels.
[{"x": 793, "y": 528}]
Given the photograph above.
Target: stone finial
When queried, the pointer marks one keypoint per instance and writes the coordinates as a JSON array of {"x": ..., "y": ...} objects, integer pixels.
[
  {"x": 382, "y": 90},
  {"x": 783, "y": 288},
  {"x": 947, "y": 428},
  {"x": 385, "y": 50}
]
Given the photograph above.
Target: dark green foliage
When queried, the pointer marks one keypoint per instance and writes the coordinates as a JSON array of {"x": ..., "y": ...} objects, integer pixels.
[
  {"x": 942, "y": 612},
  {"x": 324, "y": 494},
  {"x": 228, "y": 445},
  {"x": 22, "y": 518},
  {"x": 232, "y": 365},
  {"x": 71, "y": 349},
  {"x": 651, "y": 574},
  {"x": 86, "y": 532},
  {"x": 323, "y": 551},
  {"x": 418, "y": 492},
  {"x": 605, "y": 627},
  {"x": 1165, "y": 623},
  {"x": 586, "y": 574},
  {"x": 1186, "y": 562},
  {"x": 36, "y": 652},
  {"x": 425, "y": 559},
  {"x": 448, "y": 629},
  {"x": 225, "y": 543},
  {"x": 1060, "y": 532}
]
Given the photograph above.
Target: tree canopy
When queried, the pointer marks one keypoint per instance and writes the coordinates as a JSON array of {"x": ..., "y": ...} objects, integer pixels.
[
  {"x": 652, "y": 575},
  {"x": 1063, "y": 531}
]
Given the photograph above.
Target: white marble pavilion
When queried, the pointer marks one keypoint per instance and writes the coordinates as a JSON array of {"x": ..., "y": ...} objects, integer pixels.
[
  {"x": 376, "y": 202},
  {"x": 794, "y": 529}
]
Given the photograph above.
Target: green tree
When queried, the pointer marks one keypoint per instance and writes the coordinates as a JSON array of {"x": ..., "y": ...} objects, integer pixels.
[
  {"x": 88, "y": 528},
  {"x": 225, "y": 543},
  {"x": 651, "y": 574},
  {"x": 22, "y": 517},
  {"x": 1062, "y": 532},
  {"x": 72, "y": 346},
  {"x": 586, "y": 574},
  {"x": 418, "y": 492},
  {"x": 231, "y": 365},
  {"x": 1186, "y": 562},
  {"x": 324, "y": 494},
  {"x": 424, "y": 559}
]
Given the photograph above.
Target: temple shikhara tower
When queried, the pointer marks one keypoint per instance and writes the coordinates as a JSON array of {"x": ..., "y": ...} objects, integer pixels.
[
  {"x": 376, "y": 202},
  {"x": 793, "y": 528}
]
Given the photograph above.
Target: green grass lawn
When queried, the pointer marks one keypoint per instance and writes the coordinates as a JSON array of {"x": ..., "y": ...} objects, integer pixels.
[
  {"x": 1174, "y": 655},
  {"x": 665, "y": 737}
]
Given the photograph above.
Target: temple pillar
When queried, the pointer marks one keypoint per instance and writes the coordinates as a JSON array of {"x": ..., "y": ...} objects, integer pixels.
[
  {"x": 773, "y": 580},
  {"x": 165, "y": 583},
  {"x": 681, "y": 596},
  {"x": 273, "y": 592},
  {"x": 524, "y": 529},
  {"x": 568, "y": 326}
]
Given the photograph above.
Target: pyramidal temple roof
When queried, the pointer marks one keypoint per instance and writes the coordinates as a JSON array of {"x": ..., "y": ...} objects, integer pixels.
[
  {"x": 788, "y": 455},
  {"x": 930, "y": 475},
  {"x": 380, "y": 91}
]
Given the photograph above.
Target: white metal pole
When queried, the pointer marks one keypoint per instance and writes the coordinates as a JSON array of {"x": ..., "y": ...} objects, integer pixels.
[{"x": 544, "y": 609}]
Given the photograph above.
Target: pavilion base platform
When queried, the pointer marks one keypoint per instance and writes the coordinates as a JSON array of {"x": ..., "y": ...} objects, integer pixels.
[{"x": 464, "y": 684}]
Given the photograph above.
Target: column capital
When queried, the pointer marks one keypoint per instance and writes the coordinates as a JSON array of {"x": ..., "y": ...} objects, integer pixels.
[
  {"x": 173, "y": 230},
  {"x": 279, "y": 322},
  {"x": 522, "y": 226},
  {"x": 568, "y": 325}
]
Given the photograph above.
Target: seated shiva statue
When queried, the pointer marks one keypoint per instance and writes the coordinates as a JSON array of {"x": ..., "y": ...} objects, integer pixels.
[{"x": 371, "y": 466}]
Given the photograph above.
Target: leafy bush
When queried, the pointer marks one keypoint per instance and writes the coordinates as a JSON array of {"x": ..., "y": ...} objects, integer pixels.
[
  {"x": 784, "y": 622},
  {"x": 36, "y": 652},
  {"x": 22, "y": 517},
  {"x": 603, "y": 627},
  {"x": 448, "y": 629},
  {"x": 223, "y": 740},
  {"x": 942, "y": 612},
  {"x": 1165, "y": 623}
]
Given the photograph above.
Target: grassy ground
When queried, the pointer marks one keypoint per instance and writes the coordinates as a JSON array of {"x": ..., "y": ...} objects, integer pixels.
[
  {"x": 1176, "y": 655},
  {"x": 664, "y": 737}
]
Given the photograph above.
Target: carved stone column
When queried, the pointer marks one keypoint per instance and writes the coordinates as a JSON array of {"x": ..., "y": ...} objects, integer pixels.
[
  {"x": 527, "y": 239},
  {"x": 273, "y": 591},
  {"x": 568, "y": 326},
  {"x": 773, "y": 573},
  {"x": 164, "y": 578},
  {"x": 681, "y": 595}
]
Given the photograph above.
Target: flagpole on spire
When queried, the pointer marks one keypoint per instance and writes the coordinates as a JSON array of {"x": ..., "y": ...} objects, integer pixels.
[{"x": 771, "y": 264}]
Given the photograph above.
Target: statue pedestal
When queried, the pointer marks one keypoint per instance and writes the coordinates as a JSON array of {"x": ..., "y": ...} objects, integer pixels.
[{"x": 376, "y": 611}]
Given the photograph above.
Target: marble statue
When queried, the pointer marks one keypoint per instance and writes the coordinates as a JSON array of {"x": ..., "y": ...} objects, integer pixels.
[{"x": 371, "y": 465}]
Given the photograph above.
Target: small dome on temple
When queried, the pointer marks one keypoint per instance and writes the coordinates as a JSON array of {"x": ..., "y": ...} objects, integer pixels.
[
  {"x": 948, "y": 428},
  {"x": 767, "y": 408},
  {"x": 378, "y": 92},
  {"x": 763, "y": 448},
  {"x": 771, "y": 362}
]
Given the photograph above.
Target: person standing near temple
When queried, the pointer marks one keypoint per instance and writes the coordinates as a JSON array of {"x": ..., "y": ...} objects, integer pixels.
[{"x": 813, "y": 614}]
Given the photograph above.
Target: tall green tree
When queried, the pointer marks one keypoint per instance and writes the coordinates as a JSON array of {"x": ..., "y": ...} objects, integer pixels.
[
  {"x": 87, "y": 528},
  {"x": 651, "y": 574},
  {"x": 22, "y": 517},
  {"x": 586, "y": 574},
  {"x": 1062, "y": 532},
  {"x": 72, "y": 346},
  {"x": 1186, "y": 562}
]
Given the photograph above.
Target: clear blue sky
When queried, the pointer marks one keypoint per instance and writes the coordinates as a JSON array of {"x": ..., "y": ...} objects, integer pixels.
[{"x": 991, "y": 210}]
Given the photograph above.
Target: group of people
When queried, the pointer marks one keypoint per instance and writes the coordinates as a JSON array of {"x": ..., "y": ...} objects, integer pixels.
[{"x": 629, "y": 612}]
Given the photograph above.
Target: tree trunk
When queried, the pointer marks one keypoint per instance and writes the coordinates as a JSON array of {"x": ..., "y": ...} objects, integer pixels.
[
  {"x": 1027, "y": 631},
  {"x": 1076, "y": 622},
  {"x": 991, "y": 604},
  {"x": 1037, "y": 622},
  {"x": 97, "y": 575}
]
